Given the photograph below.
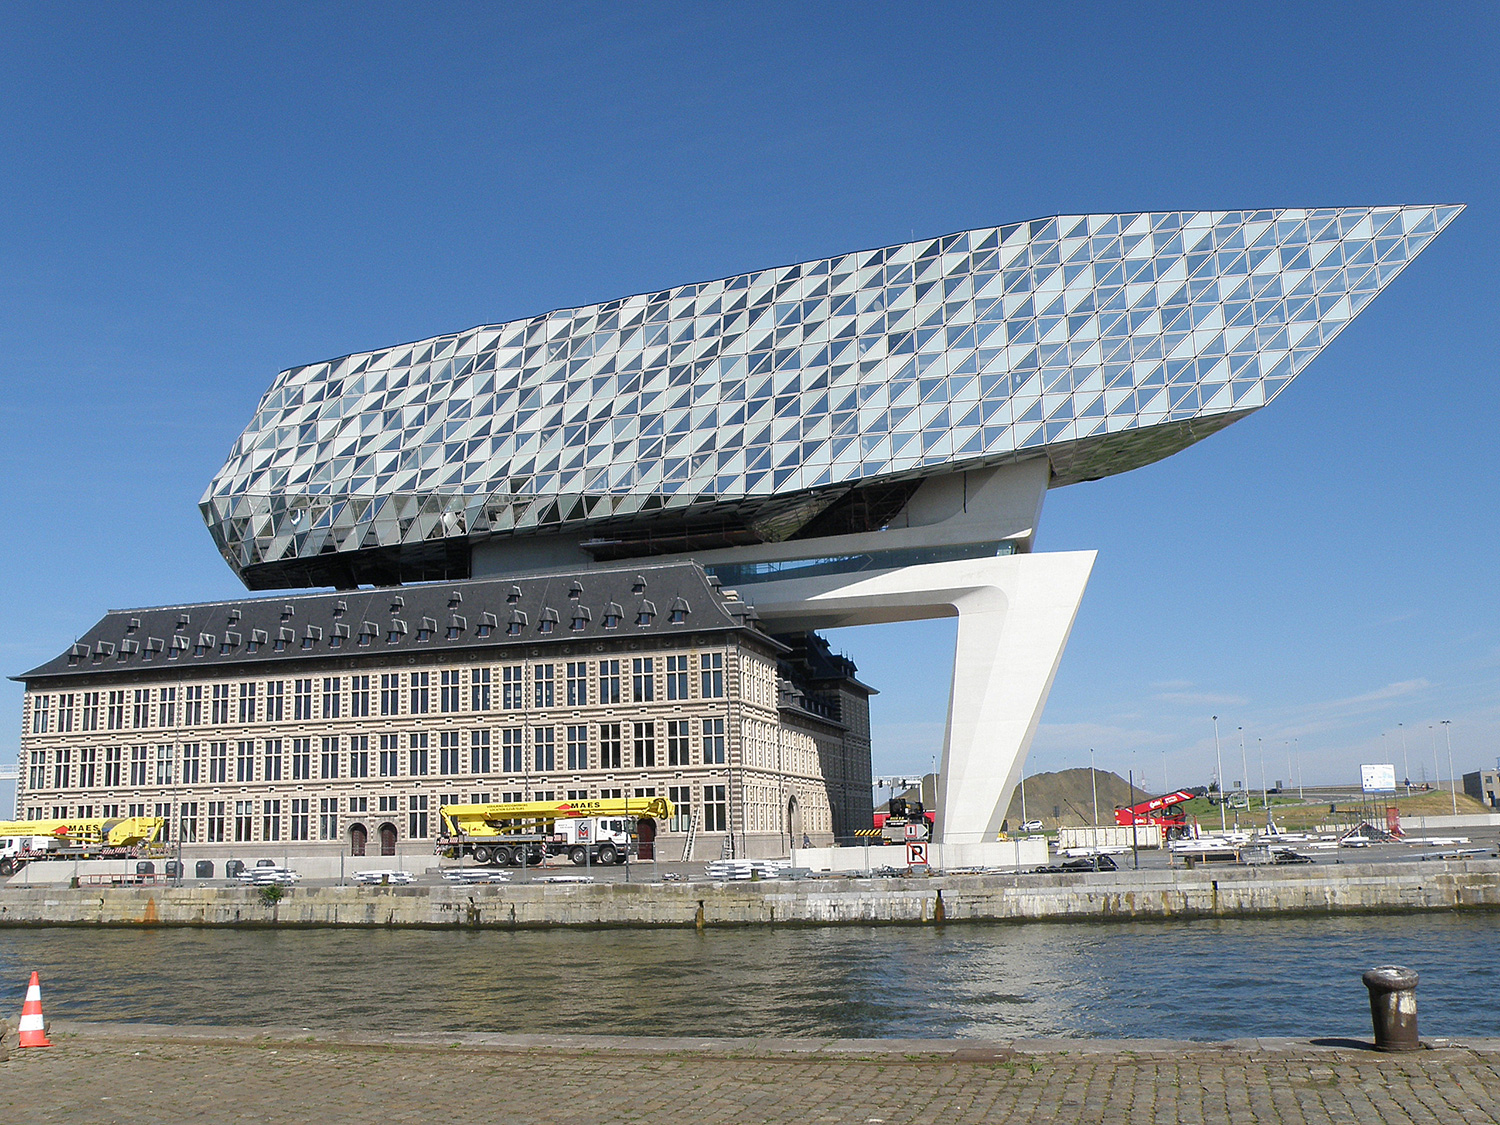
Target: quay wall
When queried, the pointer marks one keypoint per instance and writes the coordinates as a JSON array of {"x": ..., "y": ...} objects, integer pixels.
[{"x": 1123, "y": 895}]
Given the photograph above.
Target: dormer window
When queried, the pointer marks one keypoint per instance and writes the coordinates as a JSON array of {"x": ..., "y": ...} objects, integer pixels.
[
  {"x": 340, "y": 608},
  {"x": 488, "y": 623},
  {"x": 581, "y": 616},
  {"x": 78, "y": 652},
  {"x": 677, "y": 615},
  {"x": 231, "y": 642},
  {"x": 516, "y": 623},
  {"x": 288, "y": 612},
  {"x": 153, "y": 646},
  {"x": 128, "y": 649},
  {"x": 547, "y": 623},
  {"x": 575, "y": 591},
  {"x": 514, "y": 596},
  {"x": 612, "y": 615},
  {"x": 179, "y": 644},
  {"x": 257, "y": 638},
  {"x": 234, "y": 617},
  {"x": 133, "y": 624},
  {"x": 284, "y": 637},
  {"x": 639, "y": 585},
  {"x": 429, "y": 627},
  {"x": 456, "y": 627},
  {"x": 398, "y": 603},
  {"x": 340, "y": 635},
  {"x": 396, "y": 631},
  {"x": 311, "y": 637},
  {"x": 368, "y": 632},
  {"x": 206, "y": 641},
  {"x": 455, "y": 599},
  {"x": 183, "y": 621},
  {"x": 646, "y": 614}
]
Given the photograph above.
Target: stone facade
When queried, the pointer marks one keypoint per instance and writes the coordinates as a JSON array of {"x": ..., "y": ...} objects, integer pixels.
[{"x": 538, "y": 691}]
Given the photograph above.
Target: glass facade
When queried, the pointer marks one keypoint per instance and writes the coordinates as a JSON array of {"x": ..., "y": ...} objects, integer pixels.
[{"x": 1104, "y": 342}]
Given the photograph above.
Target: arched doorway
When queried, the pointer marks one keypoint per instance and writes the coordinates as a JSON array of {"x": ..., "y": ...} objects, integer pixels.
[
  {"x": 387, "y": 839},
  {"x": 359, "y": 836},
  {"x": 645, "y": 838},
  {"x": 794, "y": 822}
]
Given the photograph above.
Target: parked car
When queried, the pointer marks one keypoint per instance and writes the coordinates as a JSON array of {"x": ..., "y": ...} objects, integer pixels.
[
  {"x": 1032, "y": 826},
  {"x": 1082, "y": 863}
]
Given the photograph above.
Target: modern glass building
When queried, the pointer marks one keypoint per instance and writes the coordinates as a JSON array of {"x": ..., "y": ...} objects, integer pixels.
[{"x": 806, "y": 401}]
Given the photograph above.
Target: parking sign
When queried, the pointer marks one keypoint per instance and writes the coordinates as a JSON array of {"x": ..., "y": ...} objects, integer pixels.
[{"x": 916, "y": 855}]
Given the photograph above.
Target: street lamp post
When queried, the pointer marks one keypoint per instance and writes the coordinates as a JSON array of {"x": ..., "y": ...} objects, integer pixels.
[
  {"x": 1094, "y": 780},
  {"x": 1297, "y": 744},
  {"x": 1405, "y": 761},
  {"x": 1244, "y": 773},
  {"x": 1452, "y": 782},
  {"x": 1265, "y": 796},
  {"x": 1219, "y": 757}
]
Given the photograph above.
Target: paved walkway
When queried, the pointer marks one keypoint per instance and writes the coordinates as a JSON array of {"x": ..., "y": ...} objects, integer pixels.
[{"x": 130, "y": 1074}]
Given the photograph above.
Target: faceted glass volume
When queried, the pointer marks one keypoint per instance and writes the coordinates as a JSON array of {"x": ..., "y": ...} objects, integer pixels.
[{"x": 1103, "y": 342}]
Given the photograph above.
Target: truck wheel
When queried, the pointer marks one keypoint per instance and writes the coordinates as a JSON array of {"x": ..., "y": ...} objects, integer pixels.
[
  {"x": 579, "y": 856},
  {"x": 608, "y": 856},
  {"x": 7, "y": 868},
  {"x": 536, "y": 857},
  {"x": 481, "y": 854},
  {"x": 503, "y": 857}
]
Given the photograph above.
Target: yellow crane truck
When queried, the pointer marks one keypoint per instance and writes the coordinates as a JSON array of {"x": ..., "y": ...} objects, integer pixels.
[
  {"x": 521, "y": 833},
  {"x": 26, "y": 841}
]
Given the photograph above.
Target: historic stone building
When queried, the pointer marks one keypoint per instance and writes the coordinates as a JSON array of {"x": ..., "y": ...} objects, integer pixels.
[{"x": 314, "y": 723}]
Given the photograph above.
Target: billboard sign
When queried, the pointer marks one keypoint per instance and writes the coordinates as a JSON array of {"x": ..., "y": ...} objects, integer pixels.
[{"x": 1377, "y": 778}]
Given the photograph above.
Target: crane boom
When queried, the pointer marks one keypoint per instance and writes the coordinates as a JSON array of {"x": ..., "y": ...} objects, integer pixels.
[
  {"x": 657, "y": 808},
  {"x": 126, "y": 832}
]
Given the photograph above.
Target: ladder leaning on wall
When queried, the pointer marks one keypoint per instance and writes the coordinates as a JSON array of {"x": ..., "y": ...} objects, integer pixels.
[{"x": 692, "y": 838}]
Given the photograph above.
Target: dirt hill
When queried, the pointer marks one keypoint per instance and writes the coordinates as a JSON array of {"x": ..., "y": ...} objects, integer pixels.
[{"x": 1066, "y": 798}]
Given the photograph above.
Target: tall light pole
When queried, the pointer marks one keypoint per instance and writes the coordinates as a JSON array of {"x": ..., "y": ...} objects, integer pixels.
[
  {"x": 1094, "y": 779},
  {"x": 1244, "y": 771},
  {"x": 1219, "y": 757},
  {"x": 1452, "y": 783},
  {"x": 1437, "y": 771},
  {"x": 1265, "y": 797},
  {"x": 1405, "y": 762},
  {"x": 1297, "y": 744}
]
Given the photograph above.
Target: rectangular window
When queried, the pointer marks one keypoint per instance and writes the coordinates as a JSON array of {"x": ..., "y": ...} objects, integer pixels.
[
  {"x": 166, "y": 707},
  {"x": 544, "y": 676},
  {"x": 220, "y": 705},
  {"x": 142, "y": 710},
  {"x": 448, "y": 691},
  {"x": 188, "y": 821},
  {"x": 418, "y": 753},
  {"x": 711, "y": 675},
  {"x": 479, "y": 752},
  {"x": 609, "y": 681},
  {"x": 91, "y": 710},
  {"x": 330, "y": 758},
  {"x": 302, "y": 701},
  {"x": 65, "y": 712},
  {"x": 359, "y": 755},
  {"x": 713, "y": 742},
  {"x": 420, "y": 702},
  {"x": 390, "y": 693},
  {"x": 164, "y": 763},
  {"x": 578, "y": 748},
  {"x": 218, "y": 763},
  {"x": 137, "y": 765},
  {"x": 388, "y": 805},
  {"x": 193, "y": 707},
  {"x": 270, "y": 820},
  {"x": 416, "y": 818},
  {"x": 544, "y": 749},
  {"x": 116, "y": 715},
  {"x": 681, "y": 797},
  {"x": 390, "y": 755},
  {"x": 677, "y": 677},
  {"x": 643, "y": 681},
  {"x": 511, "y": 753},
  {"x": 448, "y": 756},
  {"x": 645, "y": 745},
  {"x": 576, "y": 683},
  {"x": 39, "y": 713},
  {"x": 678, "y": 743},
  {"x": 247, "y": 703},
  {"x": 244, "y": 760},
  {"x": 275, "y": 701},
  {"x": 62, "y": 768},
  {"x": 244, "y": 821},
  {"x": 273, "y": 760},
  {"x": 190, "y": 761},
  {"x": 328, "y": 818},
  {"x": 609, "y": 746},
  {"x": 333, "y": 696},
  {"x": 359, "y": 697},
  {"x": 301, "y": 760},
  {"x": 300, "y": 817},
  {"x": 216, "y": 822},
  {"x": 479, "y": 689},
  {"x": 88, "y": 765},
  {"x": 512, "y": 691},
  {"x": 359, "y": 804},
  {"x": 715, "y": 809},
  {"x": 112, "y": 767},
  {"x": 163, "y": 810}
]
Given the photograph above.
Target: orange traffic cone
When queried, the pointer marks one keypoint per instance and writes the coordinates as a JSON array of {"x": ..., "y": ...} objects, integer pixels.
[{"x": 32, "y": 1032}]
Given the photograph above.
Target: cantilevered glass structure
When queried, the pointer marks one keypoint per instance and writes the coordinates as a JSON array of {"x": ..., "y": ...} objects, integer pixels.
[{"x": 805, "y": 401}]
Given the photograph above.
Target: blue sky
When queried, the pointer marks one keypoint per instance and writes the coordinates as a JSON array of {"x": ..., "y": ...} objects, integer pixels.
[{"x": 197, "y": 196}]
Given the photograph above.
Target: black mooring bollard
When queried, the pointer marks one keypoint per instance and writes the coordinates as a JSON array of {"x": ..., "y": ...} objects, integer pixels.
[{"x": 1393, "y": 1007}]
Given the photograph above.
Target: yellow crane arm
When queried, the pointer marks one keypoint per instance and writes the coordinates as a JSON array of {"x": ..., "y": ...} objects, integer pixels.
[{"x": 657, "y": 808}]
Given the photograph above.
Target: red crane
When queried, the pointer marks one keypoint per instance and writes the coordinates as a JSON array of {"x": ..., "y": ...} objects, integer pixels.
[{"x": 1165, "y": 812}]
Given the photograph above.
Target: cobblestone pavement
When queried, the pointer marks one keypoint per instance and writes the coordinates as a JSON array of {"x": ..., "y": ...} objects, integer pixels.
[{"x": 114, "y": 1073}]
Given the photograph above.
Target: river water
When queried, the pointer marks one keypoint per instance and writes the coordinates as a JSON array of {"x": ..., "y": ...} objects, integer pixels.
[{"x": 1210, "y": 979}]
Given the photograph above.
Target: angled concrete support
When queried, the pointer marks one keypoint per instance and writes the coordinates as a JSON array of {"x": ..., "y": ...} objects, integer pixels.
[{"x": 1014, "y": 615}]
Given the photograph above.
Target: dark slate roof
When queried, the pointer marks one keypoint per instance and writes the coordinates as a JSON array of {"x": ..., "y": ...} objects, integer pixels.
[{"x": 406, "y": 620}]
